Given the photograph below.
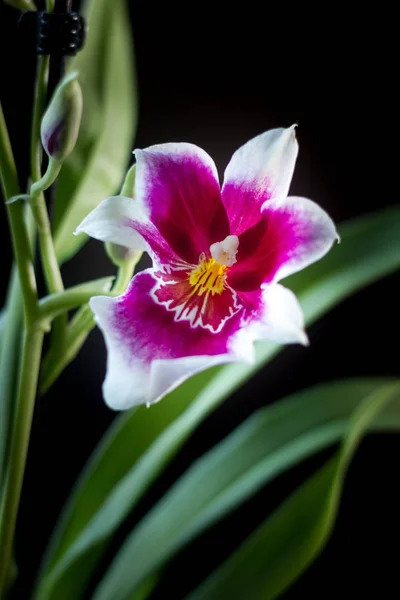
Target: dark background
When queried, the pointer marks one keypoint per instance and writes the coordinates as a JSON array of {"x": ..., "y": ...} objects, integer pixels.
[{"x": 217, "y": 74}]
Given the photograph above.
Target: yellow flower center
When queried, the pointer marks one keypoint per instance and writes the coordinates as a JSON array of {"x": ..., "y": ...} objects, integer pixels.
[
  {"x": 210, "y": 273},
  {"x": 208, "y": 276}
]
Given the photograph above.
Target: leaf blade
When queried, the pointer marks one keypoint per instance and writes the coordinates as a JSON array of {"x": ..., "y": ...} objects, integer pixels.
[
  {"x": 268, "y": 443},
  {"x": 288, "y": 541}
]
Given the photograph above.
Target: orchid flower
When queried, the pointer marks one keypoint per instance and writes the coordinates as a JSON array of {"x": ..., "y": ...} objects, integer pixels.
[{"x": 217, "y": 254}]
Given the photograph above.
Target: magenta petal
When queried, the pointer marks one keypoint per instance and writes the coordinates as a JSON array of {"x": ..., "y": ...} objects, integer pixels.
[
  {"x": 260, "y": 170},
  {"x": 149, "y": 351},
  {"x": 291, "y": 235},
  {"x": 178, "y": 185}
]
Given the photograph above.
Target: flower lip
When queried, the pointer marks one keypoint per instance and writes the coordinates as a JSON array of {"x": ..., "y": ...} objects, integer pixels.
[{"x": 198, "y": 294}]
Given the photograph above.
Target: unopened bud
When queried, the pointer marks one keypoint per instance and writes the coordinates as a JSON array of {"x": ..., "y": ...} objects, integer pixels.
[
  {"x": 61, "y": 121},
  {"x": 120, "y": 255},
  {"x": 128, "y": 187}
]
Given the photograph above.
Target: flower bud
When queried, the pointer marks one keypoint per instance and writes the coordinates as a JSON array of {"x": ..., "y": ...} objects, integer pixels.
[
  {"x": 128, "y": 187},
  {"x": 120, "y": 255},
  {"x": 61, "y": 121}
]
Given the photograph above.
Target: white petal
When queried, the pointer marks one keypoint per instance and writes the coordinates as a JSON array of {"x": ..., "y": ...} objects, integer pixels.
[
  {"x": 283, "y": 319},
  {"x": 112, "y": 221},
  {"x": 134, "y": 376},
  {"x": 166, "y": 375},
  {"x": 269, "y": 155},
  {"x": 260, "y": 170}
]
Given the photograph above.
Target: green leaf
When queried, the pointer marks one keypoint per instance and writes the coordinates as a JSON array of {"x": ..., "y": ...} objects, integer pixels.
[
  {"x": 12, "y": 319},
  {"x": 98, "y": 163},
  {"x": 123, "y": 452},
  {"x": 268, "y": 443},
  {"x": 134, "y": 451},
  {"x": 3, "y": 319},
  {"x": 276, "y": 554}
]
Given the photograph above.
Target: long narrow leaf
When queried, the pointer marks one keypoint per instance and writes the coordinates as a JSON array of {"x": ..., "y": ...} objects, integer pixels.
[
  {"x": 268, "y": 443},
  {"x": 278, "y": 552}
]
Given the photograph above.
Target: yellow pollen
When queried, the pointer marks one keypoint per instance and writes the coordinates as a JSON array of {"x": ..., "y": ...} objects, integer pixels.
[{"x": 208, "y": 276}]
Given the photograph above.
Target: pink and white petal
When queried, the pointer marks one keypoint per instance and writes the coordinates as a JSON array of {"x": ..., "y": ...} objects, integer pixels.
[
  {"x": 281, "y": 318},
  {"x": 122, "y": 220},
  {"x": 260, "y": 170},
  {"x": 178, "y": 186},
  {"x": 149, "y": 352},
  {"x": 202, "y": 308},
  {"x": 292, "y": 234}
]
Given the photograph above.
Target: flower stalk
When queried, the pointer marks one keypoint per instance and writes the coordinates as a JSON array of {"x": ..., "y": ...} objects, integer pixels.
[
  {"x": 50, "y": 266},
  {"x": 34, "y": 326},
  {"x": 31, "y": 354},
  {"x": 18, "y": 228}
]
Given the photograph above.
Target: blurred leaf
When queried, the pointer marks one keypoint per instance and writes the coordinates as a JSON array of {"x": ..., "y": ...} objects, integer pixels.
[
  {"x": 268, "y": 443},
  {"x": 118, "y": 455},
  {"x": 98, "y": 163},
  {"x": 3, "y": 317},
  {"x": 139, "y": 446},
  {"x": 276, "y": 554}
]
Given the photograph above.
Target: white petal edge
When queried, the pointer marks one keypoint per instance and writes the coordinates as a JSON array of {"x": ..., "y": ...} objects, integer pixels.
[
  {"x": 283, "y": 319},
  {"x": 321, "y": 222},
  {"x": 130, "y": 382},
  {"x": 110, "y": 222},
  {"x": 268, "y": 158}
]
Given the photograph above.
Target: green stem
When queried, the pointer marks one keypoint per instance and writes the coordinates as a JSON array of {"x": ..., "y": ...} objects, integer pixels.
[
  {"x": 38, "y": 205},
  {"x": 31, "y": 354},
  {"x": 51, "y": 269},
  {"x": 10, "y": 344},
  {"x": 50, "y": 266},
  {"x": 9, "y": 177},
  {"x": 71, "y": 298},
  {"x": 124, "y": 275},
  {"x": 48, "y": 178},
  {"x": 16, "y": 218}
]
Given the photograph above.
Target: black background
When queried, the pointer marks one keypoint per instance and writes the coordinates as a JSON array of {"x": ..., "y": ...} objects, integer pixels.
[{"x": 216, "y": 74}]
